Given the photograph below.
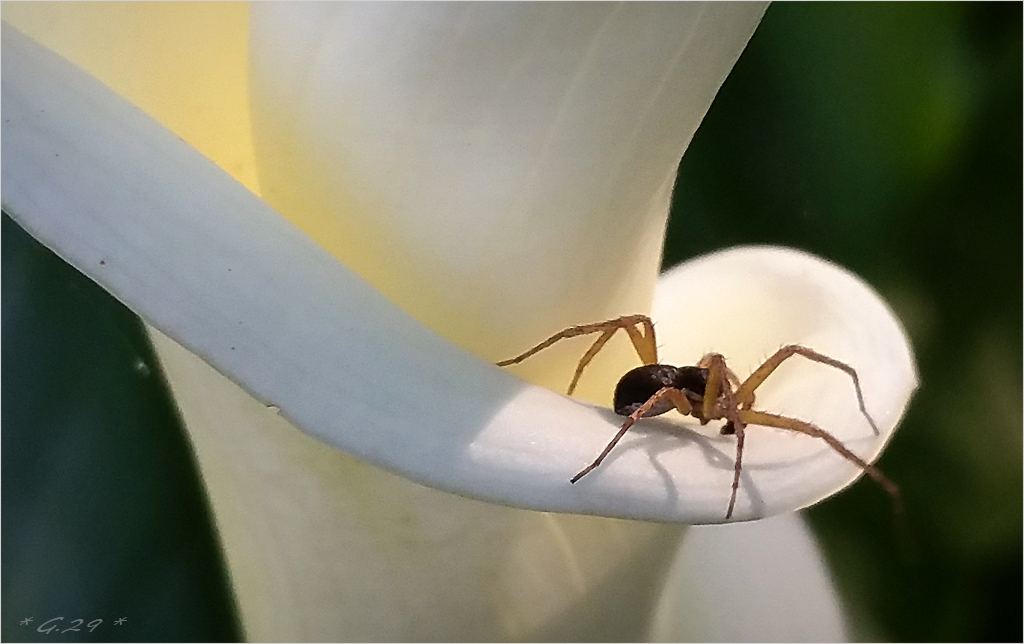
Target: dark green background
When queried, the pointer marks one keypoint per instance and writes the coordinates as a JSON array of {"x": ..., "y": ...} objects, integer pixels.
[{"x": 886, "y": 137}]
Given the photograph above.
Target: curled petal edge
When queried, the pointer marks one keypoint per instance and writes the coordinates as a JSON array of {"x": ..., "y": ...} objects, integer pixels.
[{"x": 208, "y": 263}]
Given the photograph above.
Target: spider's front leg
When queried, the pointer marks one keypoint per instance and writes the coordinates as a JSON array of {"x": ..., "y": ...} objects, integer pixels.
[
  {"x": 720, "y": 402},
  {"x": 745, "y": 392},
  {"x": 638, "y": 327},
  {"x": 679, "y": 400}
]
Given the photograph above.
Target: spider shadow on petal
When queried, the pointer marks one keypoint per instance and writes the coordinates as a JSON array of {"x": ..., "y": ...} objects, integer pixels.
[{"x": 657, "y": 436}]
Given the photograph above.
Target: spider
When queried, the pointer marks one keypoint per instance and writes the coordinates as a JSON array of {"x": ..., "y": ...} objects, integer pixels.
[{"x": 708, "y": 391}]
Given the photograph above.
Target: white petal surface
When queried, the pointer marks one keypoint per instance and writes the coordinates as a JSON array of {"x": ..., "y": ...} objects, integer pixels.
[
  {"x": 208, "y": 263},
  {"x": 746, "y": 303},
  {"x": 322, "y": 546},
  {"x": 757, "y": 582},
  {"x": 498, "y": 170}
]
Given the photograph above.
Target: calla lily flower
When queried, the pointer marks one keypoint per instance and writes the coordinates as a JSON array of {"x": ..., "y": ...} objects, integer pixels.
[{"x": 460, "y": 181}]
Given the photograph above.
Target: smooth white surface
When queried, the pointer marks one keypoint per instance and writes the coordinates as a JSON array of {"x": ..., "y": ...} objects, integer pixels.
[
  {"x": 211, "y": 265},
  {"x": 498, "y": 170},
  {"x": 757, "y": 582}
]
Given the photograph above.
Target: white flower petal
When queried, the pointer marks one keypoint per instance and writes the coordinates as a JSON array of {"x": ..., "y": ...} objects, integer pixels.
[
  {"x": 184, "y": 64},
  {"x": 322, "y": 546},
  {"x": 498, "y": 170},
  {"x": 746, "y": 303},
  {"x": 205, "y": 261},
  {"x": 758, "y": 582}
]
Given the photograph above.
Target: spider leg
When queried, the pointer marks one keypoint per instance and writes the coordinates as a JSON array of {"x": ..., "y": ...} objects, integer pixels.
[
  {"x": 678, "y": 399},
  {"x": 766, "y": 419},
  {"x": 734, "y": 380},
  {"x": 745, "y": 392},
  {"x": 720, "y": 402},
  {"x": 643, "y": 341},
  {"x": 588, "y": 356},
  {"x": 739, "y": 429}
]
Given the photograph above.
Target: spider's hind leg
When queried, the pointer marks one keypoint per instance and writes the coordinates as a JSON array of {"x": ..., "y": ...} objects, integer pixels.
[
  {"x": 639, "y": 328},
  {"x": 766, "y": 419}
]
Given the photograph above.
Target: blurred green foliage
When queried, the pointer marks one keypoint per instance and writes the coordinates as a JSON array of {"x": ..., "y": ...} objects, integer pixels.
[
  {"x": 885, "y": 137},
  {"x": 103, "y": 513}
]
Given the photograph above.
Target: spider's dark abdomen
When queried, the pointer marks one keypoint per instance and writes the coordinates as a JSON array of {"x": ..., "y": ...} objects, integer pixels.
[{"x": 638, "y": 385}]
